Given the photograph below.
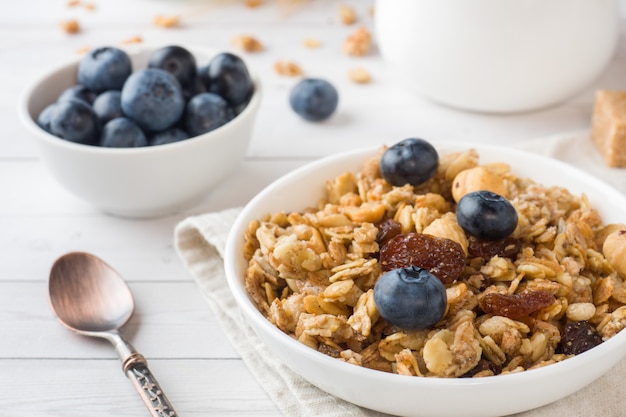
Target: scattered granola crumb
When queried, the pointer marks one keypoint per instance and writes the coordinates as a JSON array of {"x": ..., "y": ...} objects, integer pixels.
[
  {"x": 347, "y": 15},
  {"x": 166, "y": 21},
  {"x": 311, "y": 43},
  {"x": 608, "y": 126},
  {"x": 70, "y": 26},
  {"x": 73, "y": 3},
  {"x": 133, "y": 40},
  {"x": 90, "y": 6},
  {"x": 358, "y": 43},
  {"x": 247, "y": 43},
  {"x": 83, "y": 50},
  {"x": 287, "y": 68},
  {"x": 254, "y": 3},
  {"x": 359, "y": 75}
]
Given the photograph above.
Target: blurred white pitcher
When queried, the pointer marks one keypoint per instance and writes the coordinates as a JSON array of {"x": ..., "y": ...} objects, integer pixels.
[{"x": 497, "y": 55}]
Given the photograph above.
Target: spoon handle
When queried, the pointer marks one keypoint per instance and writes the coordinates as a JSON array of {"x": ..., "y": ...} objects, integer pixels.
[{"x": 136, "y": 368}]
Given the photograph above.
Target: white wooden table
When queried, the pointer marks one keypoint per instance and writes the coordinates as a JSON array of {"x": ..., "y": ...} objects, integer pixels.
[{"x": 46, "y": 370}]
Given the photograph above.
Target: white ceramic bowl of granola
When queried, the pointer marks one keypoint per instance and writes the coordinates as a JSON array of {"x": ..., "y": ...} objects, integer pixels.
[
  {"x": 138, "y": 182},
  {"x": 418, "y": 396}
]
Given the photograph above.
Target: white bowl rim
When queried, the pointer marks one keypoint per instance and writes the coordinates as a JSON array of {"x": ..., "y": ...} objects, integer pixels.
[
  {"x": 251, "y": 313},
  {"x": 31, "y": 124}
]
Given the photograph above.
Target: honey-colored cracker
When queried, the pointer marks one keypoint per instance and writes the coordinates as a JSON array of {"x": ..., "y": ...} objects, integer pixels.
[{"x": 608, "y": 127}]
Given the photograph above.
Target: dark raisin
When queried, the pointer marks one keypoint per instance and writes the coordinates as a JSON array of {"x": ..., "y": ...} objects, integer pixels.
[
  {"x": 483, "y": 365},
  {"x": 386, "y": 230},
  {"x": 506, "y": 248},
  {"x": 578, "y": 337},
  {"x": 444, "y": 258},
  {"x": 517, "y": 305}
]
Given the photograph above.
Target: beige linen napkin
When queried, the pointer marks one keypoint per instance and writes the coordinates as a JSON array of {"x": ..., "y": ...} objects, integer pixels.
[{"x": 200, "y": 242}]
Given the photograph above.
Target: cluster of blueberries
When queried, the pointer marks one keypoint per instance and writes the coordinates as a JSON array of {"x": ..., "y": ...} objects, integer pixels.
[
  {"x": 412, "y": 297},
  {"x": 171, "y": 100}
]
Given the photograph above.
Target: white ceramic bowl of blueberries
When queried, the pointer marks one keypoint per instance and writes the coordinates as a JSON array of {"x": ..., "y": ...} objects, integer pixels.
[
  {"x": 143, "y": 132},
  {"x": 401, "y": 395}
]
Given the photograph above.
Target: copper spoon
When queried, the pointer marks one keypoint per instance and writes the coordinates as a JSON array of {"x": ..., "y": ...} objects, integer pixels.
[{"x": 91, "y": 298}]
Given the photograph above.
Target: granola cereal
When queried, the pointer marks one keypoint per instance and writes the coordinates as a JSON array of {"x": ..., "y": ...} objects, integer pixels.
[
  {"x": 70, "y": 26},
  {"x": 287, "y": 68},
  {"x": 347, "y": 14},
  {"x": 247, "y": 43},
  {"x": 358, "y": 43},
  {"x": 166, "y": 21},
  {"x": 551, "y": 290},
  {"x": 311, "y": 43},
  {"x": 359, "y": 75}
]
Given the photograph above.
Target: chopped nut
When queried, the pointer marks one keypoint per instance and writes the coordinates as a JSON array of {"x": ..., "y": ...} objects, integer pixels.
[
  {"x": 608, "y": 130},
  {"x": 70, "y": 26},
  {"x": 287, "y": 68},
  {"x": 90, "y": 6},
  {"x": 166, "y": 21},
  {"x": 358, "y": 43},
  {"x": 247, "y": 43},
  {"x": 73, "y": 3},
  {"x": 477, "y": 179},
  {"x": 359, "y": 76},
  {"x": 347, "y": 15}
]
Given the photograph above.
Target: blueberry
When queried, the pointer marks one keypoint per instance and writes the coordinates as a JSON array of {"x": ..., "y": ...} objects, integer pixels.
[
  {"x": 176, "y": 60},
  {"x": 411, "y": 298},
  {"x": 486, "y": 215},
  {"x": 227, "y": 75},
  {"x": 314, "y": 99},
  {"x": 196, "y": 87},
  {"x": 153, "y": 98},
  {"x": 122, "y": 132},
  {"x": 206, "y": 112},
  {"x": 411, "y": 161},
  {"x": 74, "y": 120},
  {"x": 78, "y": 91},
  {"x": 171, "y": 135},
  {"x": 105, "y": 68},
  {"x": 44, "y": 118},
  {"x": 108, "y": 106}
]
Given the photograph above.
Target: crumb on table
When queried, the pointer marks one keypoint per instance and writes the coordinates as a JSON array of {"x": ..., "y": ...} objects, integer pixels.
[
  {"x": 608, "y": 130},
  {"x": 247, "y": 43},
  {"x": 70, "y": 26}
]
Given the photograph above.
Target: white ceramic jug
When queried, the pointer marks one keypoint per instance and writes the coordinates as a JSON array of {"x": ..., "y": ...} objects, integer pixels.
[{"x": 497, "y": 55}]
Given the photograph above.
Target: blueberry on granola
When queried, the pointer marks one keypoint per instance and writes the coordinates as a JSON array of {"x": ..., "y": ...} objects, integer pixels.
[
  {"x": 411, "y": 298},
  {"x": 486, "y": 215},
  {"x": 411, "y": 161}
]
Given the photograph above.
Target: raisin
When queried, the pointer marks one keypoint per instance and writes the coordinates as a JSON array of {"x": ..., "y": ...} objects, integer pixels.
[
  {"x": 517, "y": 305},
  {"x": 444, "y": 258},
  {"x": 386, "y": 230},
  {"x": 506, "y": 248},
  {"x": 578, "y": 337},
  {"x": 483, "y": 365}
]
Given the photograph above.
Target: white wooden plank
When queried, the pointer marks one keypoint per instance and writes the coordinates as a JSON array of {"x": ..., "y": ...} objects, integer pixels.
[
  {"x": 171, "y": 320},
  {"x": 98, "y": 388}
]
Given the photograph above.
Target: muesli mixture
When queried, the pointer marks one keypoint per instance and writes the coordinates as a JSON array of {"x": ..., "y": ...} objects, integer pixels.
[{"x": 552, "y": 289}]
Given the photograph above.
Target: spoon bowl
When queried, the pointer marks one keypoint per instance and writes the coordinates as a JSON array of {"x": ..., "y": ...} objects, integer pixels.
[
  {"x": 101, "y": 303},
  {"x": 91, "y": 298}
]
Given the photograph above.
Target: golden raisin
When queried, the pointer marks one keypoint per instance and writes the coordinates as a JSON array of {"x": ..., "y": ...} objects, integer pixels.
[
  {"x": 444, "y": 258},
  {"x": 515, "y": 306}
]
